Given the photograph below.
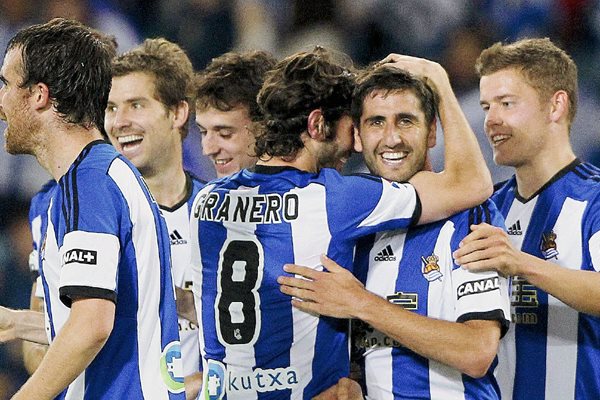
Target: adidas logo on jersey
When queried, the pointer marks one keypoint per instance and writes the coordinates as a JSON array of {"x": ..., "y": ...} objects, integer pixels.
[
  {"x": 386, "y": 254},
  {"x": 515, "y": 229},
  {"x": 176, "y": 238}
]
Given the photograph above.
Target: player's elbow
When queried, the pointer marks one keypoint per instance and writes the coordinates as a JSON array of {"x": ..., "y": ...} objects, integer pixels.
[
  {"x": 481, "y": 189},
  {"x": 480, "y": 358},
  {"x": 478, "y": 366}
]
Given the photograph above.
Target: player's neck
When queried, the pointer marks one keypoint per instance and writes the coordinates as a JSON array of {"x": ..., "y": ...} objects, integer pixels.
[
  {"x": 168, "y": 186},
  {"x": 537, "y": 171},
  {"x": 302, "y": 161},
  {"x": 62, "y": 145}
]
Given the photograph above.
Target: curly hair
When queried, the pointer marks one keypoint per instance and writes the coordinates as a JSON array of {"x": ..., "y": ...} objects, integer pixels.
[
  {"x": 299, "y": 84},
  {"x": 73, "y": 60},
  {"x": 168, "y": 64},
  {"x": 546, "y": 67},
  {"x": 390, "y": 79},
  {"x": 232, "y": 80}
]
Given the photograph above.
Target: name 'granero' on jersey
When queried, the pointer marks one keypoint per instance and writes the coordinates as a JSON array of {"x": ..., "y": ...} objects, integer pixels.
[{"x": 256, "y": 208}]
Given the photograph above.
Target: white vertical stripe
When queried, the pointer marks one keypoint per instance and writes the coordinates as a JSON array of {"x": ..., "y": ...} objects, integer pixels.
[
  {"x": 240, "y": 358},
  {"x": 507, "y": 357},
  {"x": 381, "y": 280},
  {"x": 196, "y": 261},
  {"x": 445, "y": 383},
  {"x": 311, "y": 237},
  {"x": 378, "y": 373},
  {"x": 148, "y": 265},
  {"x": 507, "y": 361},
  {"x": 594, "y": 246},
  {"x": 561, "y": 358}
]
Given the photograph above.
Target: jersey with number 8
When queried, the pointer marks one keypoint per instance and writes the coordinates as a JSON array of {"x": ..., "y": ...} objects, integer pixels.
[{"x": 244, "y": 229}]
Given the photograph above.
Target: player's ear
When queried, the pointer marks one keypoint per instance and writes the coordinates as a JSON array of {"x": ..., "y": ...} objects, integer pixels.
[
  {"x": 316, "y": 125},
  {"x": 431, "y": 135},
  {"x": 40, "y": 96},
  {"x": 357, "y": 143},
  {"x": 559, "y": 105},
  {"x": 181, "y": 113}
]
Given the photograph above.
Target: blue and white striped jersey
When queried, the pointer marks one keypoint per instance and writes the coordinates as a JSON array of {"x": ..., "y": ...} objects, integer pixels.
[
  {"x": 254, "y": 344},
  {"x": 178, "y": 224},
  {"x": 552, "y": 351},
  {"x": 111, "y": 242},
  {"x": 38, "y": 222},
  {"x": 416, "y": 271}
]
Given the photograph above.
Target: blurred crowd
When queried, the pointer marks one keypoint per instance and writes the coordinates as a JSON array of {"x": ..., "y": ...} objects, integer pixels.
[{"x": 450, "y": 32}]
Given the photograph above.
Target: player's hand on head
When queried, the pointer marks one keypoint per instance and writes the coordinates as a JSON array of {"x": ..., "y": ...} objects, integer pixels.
[
  {"x": 488, "y": 248},
  {"x": 430, "y": 71},
  {"x": 331, "y": 292}
]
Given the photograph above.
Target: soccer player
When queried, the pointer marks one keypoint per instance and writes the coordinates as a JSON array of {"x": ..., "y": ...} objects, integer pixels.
[
  {"x": 431, "y": 329},
  {"x": 146, "y": 121},
  {"x": 108, "y": 290},
  {"x": 226, "y": 108},
  {"x": 528, "y": 91},
  {"x": 293, "y": 207}
]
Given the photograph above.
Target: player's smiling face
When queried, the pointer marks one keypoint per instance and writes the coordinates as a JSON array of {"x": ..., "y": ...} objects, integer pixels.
[
  {"x": 393, "y": 134},
  {"x": 515, "y": 118},
  {"x": 14, "y": 108},
  {"x": 226, "y": 138},
  {"x": 139, "y": 125}
]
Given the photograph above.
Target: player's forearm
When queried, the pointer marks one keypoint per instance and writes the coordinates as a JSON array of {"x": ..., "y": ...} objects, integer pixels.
[
  {"x": 33, "y": 353},
  {"x": 578, "y": 289},
  {"x": 462, "y": 346},
  {"x": 464, "y": 162},
  {"x": 29, "y": 325},
  {"x": 81, "y": 338}
]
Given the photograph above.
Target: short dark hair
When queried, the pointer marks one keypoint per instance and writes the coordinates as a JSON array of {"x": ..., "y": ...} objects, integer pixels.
[
  {"x": 299, "y": 84},
  {"x": 545, "y": 66},
  {"x": 73, "y": 60},
  {"x": 232, "y": 80},
  {"x": 168, "y": 64},
  {"x": 390, "y": 79}
]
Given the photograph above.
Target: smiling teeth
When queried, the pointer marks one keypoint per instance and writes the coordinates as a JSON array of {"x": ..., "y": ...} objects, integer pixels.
[
  {"x": 394, "y": 156},
  {"x": 221, "y": 162},
  {"x": 499, "y": 138},
  {"x": 129, "y": 139}
]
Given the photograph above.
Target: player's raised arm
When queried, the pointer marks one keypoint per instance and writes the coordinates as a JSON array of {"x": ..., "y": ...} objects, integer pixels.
[{"x": 465, "y": 181}]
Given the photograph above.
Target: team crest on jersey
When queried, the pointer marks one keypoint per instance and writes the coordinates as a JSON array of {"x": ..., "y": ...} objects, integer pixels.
[
  {"x": 430, "y": 268},
  {"x": 171, "y": 367},
  {"x": 214, "y": 381},
  {"x": 548, "y": 245}
]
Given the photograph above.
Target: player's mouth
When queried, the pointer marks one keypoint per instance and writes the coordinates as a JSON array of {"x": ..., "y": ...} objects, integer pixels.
[
  {"x": 222, "y": 165},
  {"x": 498, "y": 139},
  {"x": 395, "y": 157},
  {"x": 130, "y": 142}
]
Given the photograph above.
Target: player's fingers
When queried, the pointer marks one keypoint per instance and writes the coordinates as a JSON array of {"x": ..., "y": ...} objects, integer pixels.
[
  {"x": 303, "y": 294},
  {"x": 479, "y": 265},
  {"x": 301, "y": 270},
  {"x": 461, "y": 258},
  {"x": 306, "y": 306},
  {"x": 294, "y": 282},
  {"x": 330, "y": 265}
]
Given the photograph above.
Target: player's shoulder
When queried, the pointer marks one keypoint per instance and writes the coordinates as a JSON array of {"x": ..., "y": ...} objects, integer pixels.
[
  {"x": 96, "y": 156},
  {"x": 486, "y": 212},
  {"x": 41, "y": 200}
]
